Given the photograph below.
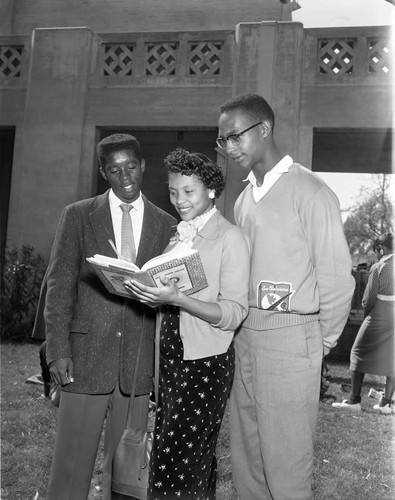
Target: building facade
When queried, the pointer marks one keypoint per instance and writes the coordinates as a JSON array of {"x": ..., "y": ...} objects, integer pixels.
[{"x": 73, "y": 72}]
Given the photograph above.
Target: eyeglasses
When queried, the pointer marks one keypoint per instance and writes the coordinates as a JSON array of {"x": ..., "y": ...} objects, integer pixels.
[{"x": 233, "y": 138}]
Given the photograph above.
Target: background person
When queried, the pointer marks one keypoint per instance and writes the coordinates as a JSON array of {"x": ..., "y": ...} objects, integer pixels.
[
  {"x": 299, "y": 299},
  {"x": 92, "y": 335},
  {"x": 197, "y": 355},
  {"x": 373, "y": 350}
]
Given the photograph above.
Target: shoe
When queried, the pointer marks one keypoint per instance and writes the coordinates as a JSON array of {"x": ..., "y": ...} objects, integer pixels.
[
  {"x": 345, "y": 404},
  {"x": 385, "y": 409},
  {"x": 375, "y": 394}
]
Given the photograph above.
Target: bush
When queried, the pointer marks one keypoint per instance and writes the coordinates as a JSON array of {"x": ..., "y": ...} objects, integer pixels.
[{"x": 23, "y": 272}]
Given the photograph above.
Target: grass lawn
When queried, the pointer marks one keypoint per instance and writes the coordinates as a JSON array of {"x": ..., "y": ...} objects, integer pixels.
[{"x": 354, "y": 452}]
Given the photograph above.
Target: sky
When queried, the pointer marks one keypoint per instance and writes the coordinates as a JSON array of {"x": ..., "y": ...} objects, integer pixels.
[
  {"x": 326, "y": 13},
  {"x": 329, "y": 13}
]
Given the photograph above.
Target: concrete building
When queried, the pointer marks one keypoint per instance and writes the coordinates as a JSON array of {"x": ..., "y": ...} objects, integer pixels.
[{"x": 74, "y": 71}]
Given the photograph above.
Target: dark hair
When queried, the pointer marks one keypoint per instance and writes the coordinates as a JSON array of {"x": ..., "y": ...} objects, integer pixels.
[
  {"x": 181, "y": 161},
  {"x": 252, "y": 105},
  {"x": 118, "y": 142},
  {"x": 385, "y": 240}
]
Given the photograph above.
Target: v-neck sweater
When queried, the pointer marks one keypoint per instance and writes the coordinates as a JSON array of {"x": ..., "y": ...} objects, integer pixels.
[{"x": 298, "y": 245}]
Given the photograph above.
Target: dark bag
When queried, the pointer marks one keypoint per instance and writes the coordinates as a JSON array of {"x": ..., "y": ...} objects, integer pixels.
[
  {"x": 130, "y": 468},
  {"x": 131, "y": 463}
]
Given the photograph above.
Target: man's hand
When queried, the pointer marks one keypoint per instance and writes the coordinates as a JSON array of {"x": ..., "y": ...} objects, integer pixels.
[{"x": 62, "y": 371}]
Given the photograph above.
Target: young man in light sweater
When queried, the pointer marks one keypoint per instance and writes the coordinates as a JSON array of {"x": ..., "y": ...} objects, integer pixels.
[{"x": 299, "y": 299}]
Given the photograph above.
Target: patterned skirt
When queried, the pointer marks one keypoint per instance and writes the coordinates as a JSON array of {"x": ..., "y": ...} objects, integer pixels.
[{"x": 192, "y": 401}]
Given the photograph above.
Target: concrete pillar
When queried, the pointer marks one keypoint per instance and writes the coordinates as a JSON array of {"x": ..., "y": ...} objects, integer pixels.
[
  {"x": 287, "y": 84},
  {"x": 268, "y": 62},
  {"x": 305, "y": 149},
  {"x": 48, "y": 145}
]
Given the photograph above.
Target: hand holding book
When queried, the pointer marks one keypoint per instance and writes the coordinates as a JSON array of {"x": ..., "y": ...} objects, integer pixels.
[
  {"x": 184, "y": 267},
  {"x": 166, "y": 293}
]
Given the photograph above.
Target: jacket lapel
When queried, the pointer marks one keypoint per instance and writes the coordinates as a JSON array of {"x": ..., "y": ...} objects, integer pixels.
[
  {"x": 101, "y": 222},
  {"x": 150, "y": 241}
]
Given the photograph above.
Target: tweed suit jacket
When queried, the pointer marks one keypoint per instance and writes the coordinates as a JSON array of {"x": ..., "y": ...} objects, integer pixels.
[{"x": 98, "y": 330}]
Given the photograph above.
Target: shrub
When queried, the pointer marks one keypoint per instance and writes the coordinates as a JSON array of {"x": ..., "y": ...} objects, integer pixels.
[{"x": 23, "y": 272}]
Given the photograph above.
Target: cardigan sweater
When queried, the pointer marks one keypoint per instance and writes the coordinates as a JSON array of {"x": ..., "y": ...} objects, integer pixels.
[
  {"x": 224, "y": 253},
  {"x": 300, "y": 262}
]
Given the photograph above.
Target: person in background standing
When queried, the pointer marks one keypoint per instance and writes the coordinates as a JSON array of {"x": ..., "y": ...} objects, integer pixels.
[{"x": 373, "y": 350}]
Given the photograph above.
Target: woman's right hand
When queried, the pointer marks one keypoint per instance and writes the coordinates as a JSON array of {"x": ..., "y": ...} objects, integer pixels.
[{"x": 155, "y": 296}]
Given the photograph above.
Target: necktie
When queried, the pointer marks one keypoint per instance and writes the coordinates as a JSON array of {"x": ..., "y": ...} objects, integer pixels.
[{"x": 128, "y": 250}]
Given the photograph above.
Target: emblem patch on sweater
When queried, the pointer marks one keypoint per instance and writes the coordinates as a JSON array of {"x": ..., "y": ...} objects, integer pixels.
[{"x": 274, "y": 296}]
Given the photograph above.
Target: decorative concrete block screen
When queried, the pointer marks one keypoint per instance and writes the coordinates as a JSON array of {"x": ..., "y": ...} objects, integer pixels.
[
  {"x": 118, "y": 60},
  {"x": 205, "y": 58},
  {"x": 379, "y": 55},
  {"x": 162, "y": 58},
  {"x": 156, "y": 58},
  {"x": 11, "y": 58},
  {"x": 331, "y": 56},
  {"x": 336, "y": 56},
  {"x": 347, "y": 55}
]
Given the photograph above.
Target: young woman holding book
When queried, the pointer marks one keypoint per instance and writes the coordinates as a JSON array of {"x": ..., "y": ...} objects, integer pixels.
[{"x": 196, "y": 349}]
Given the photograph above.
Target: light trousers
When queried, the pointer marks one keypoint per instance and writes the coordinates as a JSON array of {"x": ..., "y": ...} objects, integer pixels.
[
  {"x": 80, "y": 422},
  {"x": 273, "y": 411}
]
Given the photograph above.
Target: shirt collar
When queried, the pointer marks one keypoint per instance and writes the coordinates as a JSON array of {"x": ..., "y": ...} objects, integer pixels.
[
  {"x": 201, "y": 220},
  {"x": 386, "y": 257},
  {"x": 281, "y": 167},
  {"x": 116, "y": 202}
]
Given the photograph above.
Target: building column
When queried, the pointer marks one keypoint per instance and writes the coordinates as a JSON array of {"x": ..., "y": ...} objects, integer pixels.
[
  {"x": 269, "y": 58},
  {"x": 48, "y": 146}
]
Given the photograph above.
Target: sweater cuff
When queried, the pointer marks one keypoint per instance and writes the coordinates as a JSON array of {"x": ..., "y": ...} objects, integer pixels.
[{"x": 232, "y": 315}]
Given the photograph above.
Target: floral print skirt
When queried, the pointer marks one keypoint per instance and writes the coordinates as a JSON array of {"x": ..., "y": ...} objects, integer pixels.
[{"x": 192, "y": 401}]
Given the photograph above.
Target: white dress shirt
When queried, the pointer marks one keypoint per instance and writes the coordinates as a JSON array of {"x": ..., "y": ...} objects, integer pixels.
[
  {"x": 270, "y": 178},
  {"x": 137, "y": 214}
]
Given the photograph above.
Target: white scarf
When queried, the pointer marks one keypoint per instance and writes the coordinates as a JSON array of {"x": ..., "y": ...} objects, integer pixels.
[{"x": 188, "y": 230}]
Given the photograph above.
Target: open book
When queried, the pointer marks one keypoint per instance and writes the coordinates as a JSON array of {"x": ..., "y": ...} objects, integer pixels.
[{"x": 183, "y": 266}]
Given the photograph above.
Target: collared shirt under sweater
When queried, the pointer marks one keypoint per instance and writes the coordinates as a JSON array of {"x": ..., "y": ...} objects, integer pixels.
[{"x": 300, "y": 261}]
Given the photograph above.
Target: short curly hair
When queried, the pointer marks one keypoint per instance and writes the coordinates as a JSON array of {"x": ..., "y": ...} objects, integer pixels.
[
  {"x": 252, "y": 105},
  {"x": 117, "y": 142},
  {"x": 181, "y": 161}
]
